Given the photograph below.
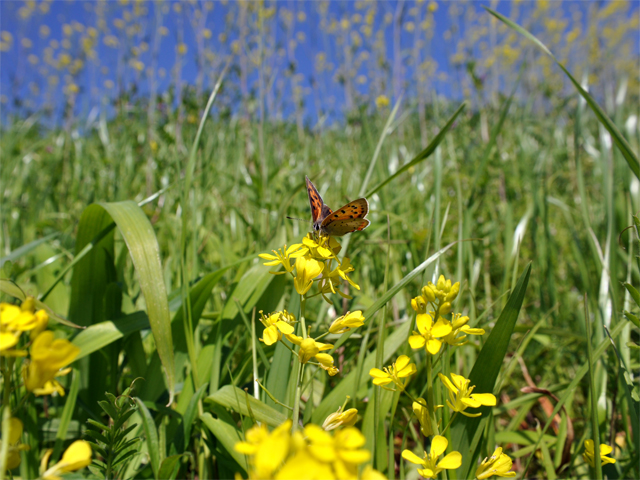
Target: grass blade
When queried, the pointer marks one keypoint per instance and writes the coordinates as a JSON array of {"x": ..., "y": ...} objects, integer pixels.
[{"x": 622, "y": 144}]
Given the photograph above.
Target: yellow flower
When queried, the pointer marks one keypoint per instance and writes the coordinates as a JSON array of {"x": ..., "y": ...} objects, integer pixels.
[
  {"x": 42, "y": 320},
  {"x": 419, "y": 304},
  {"x": 326, "y": 363},
  {"x": 430, "y": 468},
  {"x": 422, "y": 413},
  {"x": 348, "y": 418},
  {"x": 394, "y": 373},
  {"x": 48, "y": 356},
  {"x": 347, "y": 322},
  {"x": 322, "y": 247},
  {"x": 14, "y": 320},
  {"x": 460, "y": 396},
  {"x": 275, "y": 325},
  {"x": 15, "y": 434},
  {"x": 308, "y": 347},
  {"x": 342, "y": 269},
  {"x": 344, "y": 451},
  {"x": 77, "y": 456},
  {"x": 459, "y": 325},
  {"x": 443, "y": 290},
  {"x": 430, "y": 334},
  {"x": 497, "y": 464},
  {"x": 306, "y": 270},
  {"x": 589, "y": 453},
  {"x": 294, "y": 251},
  {"x": 382, "y": 101},
  {"x": 267, "y": 450}
]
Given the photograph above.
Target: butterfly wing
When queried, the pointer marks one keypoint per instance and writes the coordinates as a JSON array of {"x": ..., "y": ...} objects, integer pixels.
[
  {"x": 319, "y": 211},
  {"x": 349, "y": 218}
]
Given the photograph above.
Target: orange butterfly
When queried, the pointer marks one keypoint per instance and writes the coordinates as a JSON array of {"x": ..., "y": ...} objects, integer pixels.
[{"x": 344, "y": 220}]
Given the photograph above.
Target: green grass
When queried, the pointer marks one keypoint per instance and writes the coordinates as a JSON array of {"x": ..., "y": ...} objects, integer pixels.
[{"x": 546, "y": 189}]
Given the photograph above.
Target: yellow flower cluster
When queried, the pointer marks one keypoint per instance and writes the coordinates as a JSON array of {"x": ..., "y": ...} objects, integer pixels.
[
  {"x": 77, "y": 456},
  {"x": 312, "y": 453},
  {"x": 47, "y": 354},
  {"x": 314, "y": 259},
  {"x": 433, "y": 328}
]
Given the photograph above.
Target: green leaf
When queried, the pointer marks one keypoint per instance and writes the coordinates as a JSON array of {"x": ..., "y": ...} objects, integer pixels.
[
  {"x": 190, "y": 414},
  {"x": 633, "y": 292},
  {"x": 236, "y": 399},
  {"x": 168, "y": 468},
  {"x": 485, "y": 372},
  {"x": 151, "y": 432},
  {"x": 102, "y": 334},
  {"x": 138, "y": 234},
  {"x": 618, "y": 138},
  {"x": 227, "y": 435},
  {"x": 26, "y": 248},
  {"x": 423, "y": 154}
]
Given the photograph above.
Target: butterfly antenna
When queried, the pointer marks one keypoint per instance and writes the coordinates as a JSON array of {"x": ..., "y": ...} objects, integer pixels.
[{"x": 298, "y": 219}]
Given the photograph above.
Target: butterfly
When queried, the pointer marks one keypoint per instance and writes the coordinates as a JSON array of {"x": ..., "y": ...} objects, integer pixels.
[{"x": 344, "y": 220}]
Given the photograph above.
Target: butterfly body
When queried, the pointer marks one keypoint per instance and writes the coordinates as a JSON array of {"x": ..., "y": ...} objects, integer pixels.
[{"x": 349, "y": 218}]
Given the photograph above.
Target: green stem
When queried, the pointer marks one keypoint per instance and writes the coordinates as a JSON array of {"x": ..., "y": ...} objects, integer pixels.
[
  {"x": 449, "y": 424},
  {"x": 296, "y": 401},
  {"x": 303, "y": 304},
  {"x": 430, "y": 399}
]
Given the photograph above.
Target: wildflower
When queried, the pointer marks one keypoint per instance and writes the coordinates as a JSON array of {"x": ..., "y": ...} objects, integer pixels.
[
  {"x": 341, "y": 418},
  {"x": 382, "y": 101},
  {"x": 344, "y": 451},
  {"x": 347, "y": 322},
  {"x": 459, "y": 325},
  {"x": 460, "y": 396},
  {"x": 342, "y": 269},
  {"x": 400, "y": 369},
  {"x": 326, "y": 363},
  {"x": 306, "y": 270},
  {"x": 77, "y": 456},
  {"x": 589, "y": 453},
  {"x": 430, "y": 334},
  {"x": 308, "y": 347},
  {"x": 328, "y": 285},
  {"x": 266, "y": 450},
  {"x": 442, "y": 290},
  {"x": 419, "y": 304},
  {"x": 283, "y": 255},
  {"x": 275, "y": 325},
  {"x": 497, "y": 464},
  {"x": 322, "y": 247},
  {"x": 422, "y": 413},
  {"x": 430, "y": 468},
  {"x": 48, "y": 356}
]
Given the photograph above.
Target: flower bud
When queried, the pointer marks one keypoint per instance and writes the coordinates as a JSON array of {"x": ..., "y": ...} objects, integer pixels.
[
  {"x": 428, "y": 293},
  {"x": 445, "y": 308},
  {"x": 453, "y": 293},
  {"x": 442, "y": 283},
  {"x": 419, "y": 304}
]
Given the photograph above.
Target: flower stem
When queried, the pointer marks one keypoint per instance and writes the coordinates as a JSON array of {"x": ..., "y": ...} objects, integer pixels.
[
  {"x": 430, "y": 400},
  {"x": 449, "y": 424},
  {"x": 303, "y": 304},
  {"x": 296, "y": 401}
]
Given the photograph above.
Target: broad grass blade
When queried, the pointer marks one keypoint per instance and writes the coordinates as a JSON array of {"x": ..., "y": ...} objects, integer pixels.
[
  {"x": 24, "y": 249},
  {"x": 138, "y": 234},
  {"x": 485, "y": 372},
  {"x": 228, "y": 435},
  {"x": 622, "y": 144},
  {"x": 236, "y": 399},
  {"x": 102, "y": 334}
]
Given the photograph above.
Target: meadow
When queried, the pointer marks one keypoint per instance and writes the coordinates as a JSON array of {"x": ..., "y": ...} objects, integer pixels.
[{"x": 163, "y": 317}]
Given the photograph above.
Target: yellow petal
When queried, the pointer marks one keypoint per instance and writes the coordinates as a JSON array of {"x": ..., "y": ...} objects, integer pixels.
[
  {"x": 409, "y": 456},
  {"x": 441, "y": 328},
  {"x": 416, "y": 341},
  {"x": 447, "y": 383},
  {"x": 486, "y": 399},
  {"x": 77, "y": 456},
  {"x": 458, "y": 380},
  {"x": 452, "y": 461},
  {"x": 270, "y": 335},
  {"x": 438, "y": 445},
  {"x": 424, "y": 322},
  {"x": 377, "y": 373},
  {"x": 433, "y": 346},
  {"x": 402, "y": 362},
  {"x": 284, "y": 327}
]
